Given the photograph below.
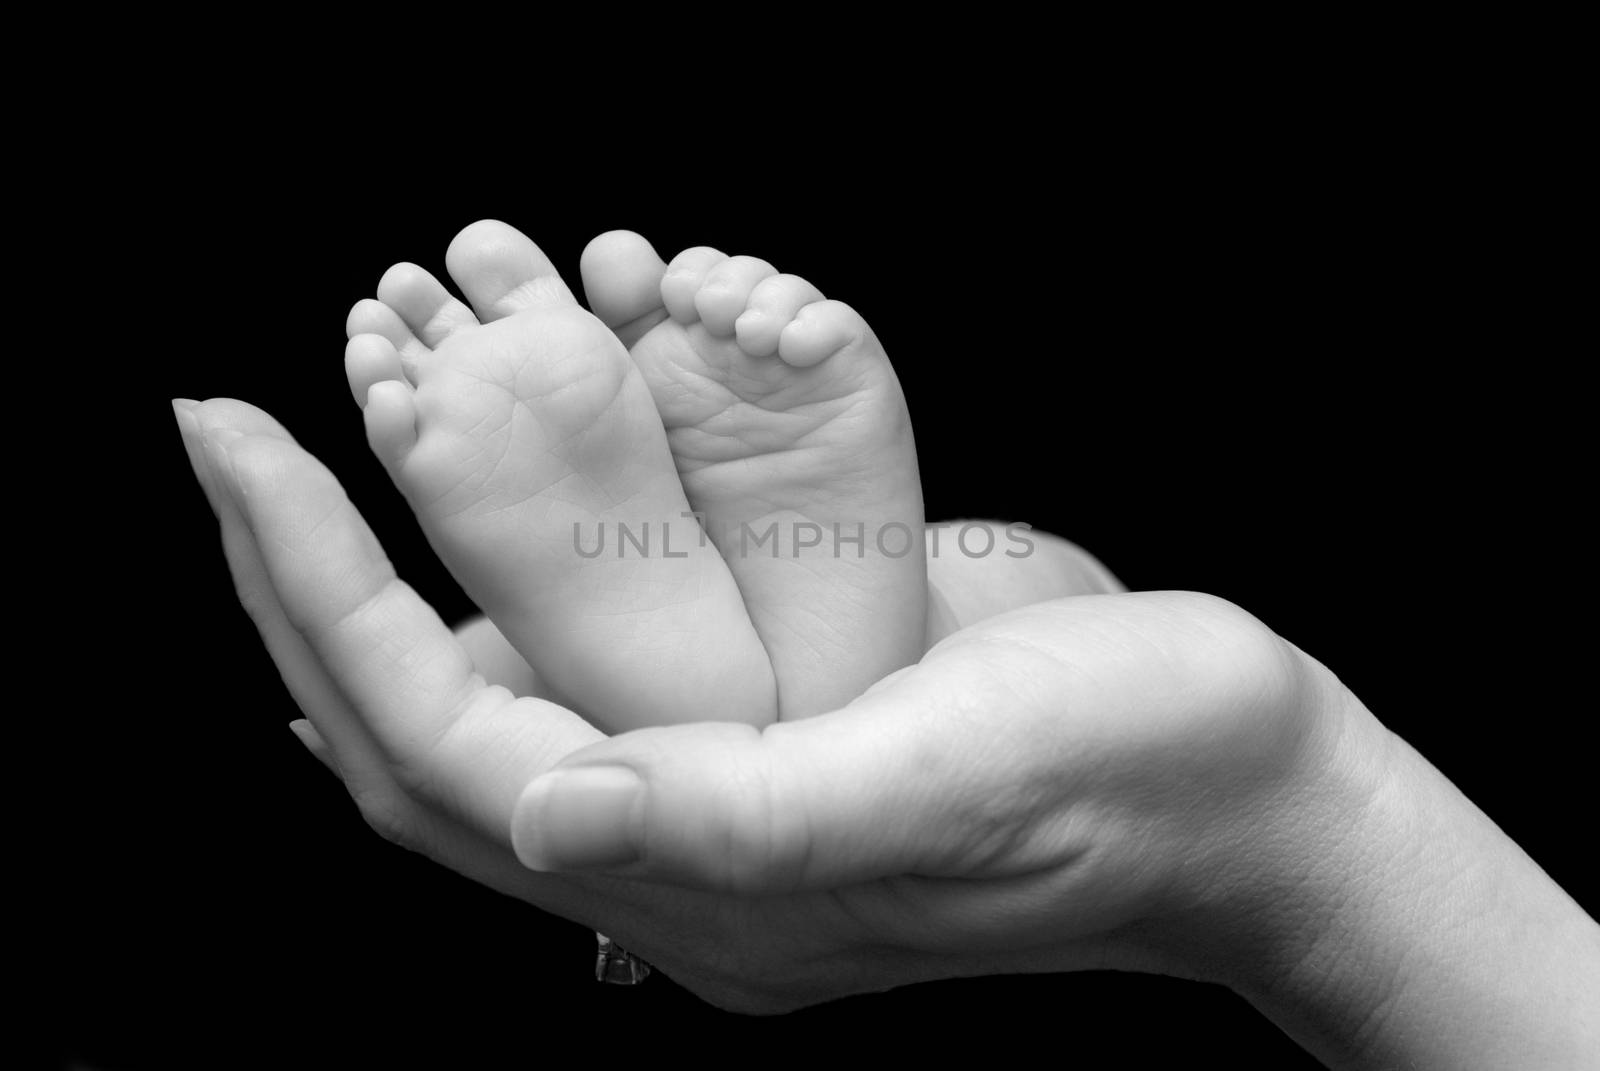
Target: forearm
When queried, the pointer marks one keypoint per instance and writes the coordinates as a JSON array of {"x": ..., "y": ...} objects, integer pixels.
[{"x": 1409, "y": 931}]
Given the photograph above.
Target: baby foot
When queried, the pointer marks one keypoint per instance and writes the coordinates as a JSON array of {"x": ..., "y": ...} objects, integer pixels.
[
  {"x": 791, "y": 436},
  {"x": 521, "y": 433}
]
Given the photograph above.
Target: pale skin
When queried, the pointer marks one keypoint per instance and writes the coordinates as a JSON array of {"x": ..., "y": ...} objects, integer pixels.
[
  {"x": 1150, "y": 781},
  {"x": 522, "y": 427}
]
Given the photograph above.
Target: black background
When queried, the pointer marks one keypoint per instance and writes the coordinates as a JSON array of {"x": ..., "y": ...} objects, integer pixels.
[{"x": 1305, "y": 373}]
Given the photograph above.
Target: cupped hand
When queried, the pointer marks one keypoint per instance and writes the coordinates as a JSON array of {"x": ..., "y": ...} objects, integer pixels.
[{"x": 1087, "y": 782}]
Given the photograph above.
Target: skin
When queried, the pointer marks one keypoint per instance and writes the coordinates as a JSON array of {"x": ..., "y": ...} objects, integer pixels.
[
  {"x": 962, "y": 590},
  {"x": 516, "y": 423},
  {"x": 1150, "y": 781}
]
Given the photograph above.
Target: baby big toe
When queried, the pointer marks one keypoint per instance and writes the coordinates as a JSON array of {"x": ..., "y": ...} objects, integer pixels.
[
  {"x": 622, "y": 280},
  {"x": 502, "y": 272}
]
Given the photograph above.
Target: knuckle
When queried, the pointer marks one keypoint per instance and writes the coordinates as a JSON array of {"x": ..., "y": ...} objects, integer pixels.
[
  {"x": 1253, "y": 661},
  {"x": 1266, "y": 682}
]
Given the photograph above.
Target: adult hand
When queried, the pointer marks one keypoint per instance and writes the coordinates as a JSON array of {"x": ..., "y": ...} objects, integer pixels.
[
  {"x": 1149, "y": 781},
  {"x": 945, "y": 773}
]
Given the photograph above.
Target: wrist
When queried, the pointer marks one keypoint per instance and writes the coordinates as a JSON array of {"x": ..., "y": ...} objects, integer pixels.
[
  {"x": 1384, "y": 921},
  {"x": 1263, "y": 899},
  {"x": 1334, "y": 872}
]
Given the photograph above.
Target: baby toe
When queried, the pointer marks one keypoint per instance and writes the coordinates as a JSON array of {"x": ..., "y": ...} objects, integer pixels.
[
  {"x": 372, "y": 317},
  {"x": 431, "y": 312},
  {"x": 370, "y": 359},
  {"x": 725, "y": 292},
  {"x": 391, "y": 420},
  {"x": 683, "y": 280},
  {"x": 819, "y": 331},
  {"x": 774, "y": 302}
]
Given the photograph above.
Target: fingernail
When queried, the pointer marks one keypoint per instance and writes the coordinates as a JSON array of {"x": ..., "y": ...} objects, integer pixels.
[
  {"x": 220, "y": 465},
  {"x": 313, "y": 742},
  {"x": 578, "y": 819},
  {"x": 188, "y": 423},
  {"x": 189, "y": 428}
]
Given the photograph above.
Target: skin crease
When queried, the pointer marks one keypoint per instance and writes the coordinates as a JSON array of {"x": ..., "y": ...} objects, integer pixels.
[{"x": 1167, "y": 786}]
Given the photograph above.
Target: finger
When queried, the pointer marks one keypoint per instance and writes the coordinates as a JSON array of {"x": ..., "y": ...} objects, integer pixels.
[
  {"x": 973, "y": 763},
  {"x": 307, "y": 735},
  {"x": 449, "y": 739},
  {"x": 464, "y": 850},
  {"x": 945, "y": 770},
  {"x": 336, "y": 735},
  {"x": 498, "y": 661},
  {"x": 323, "y": 569},
  {"x": 979, "y": 569},
  {"x": 354, "y": 755}
]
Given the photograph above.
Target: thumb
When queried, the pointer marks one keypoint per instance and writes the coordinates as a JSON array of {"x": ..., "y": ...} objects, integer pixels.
[{"x": 915, "y": 777}]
